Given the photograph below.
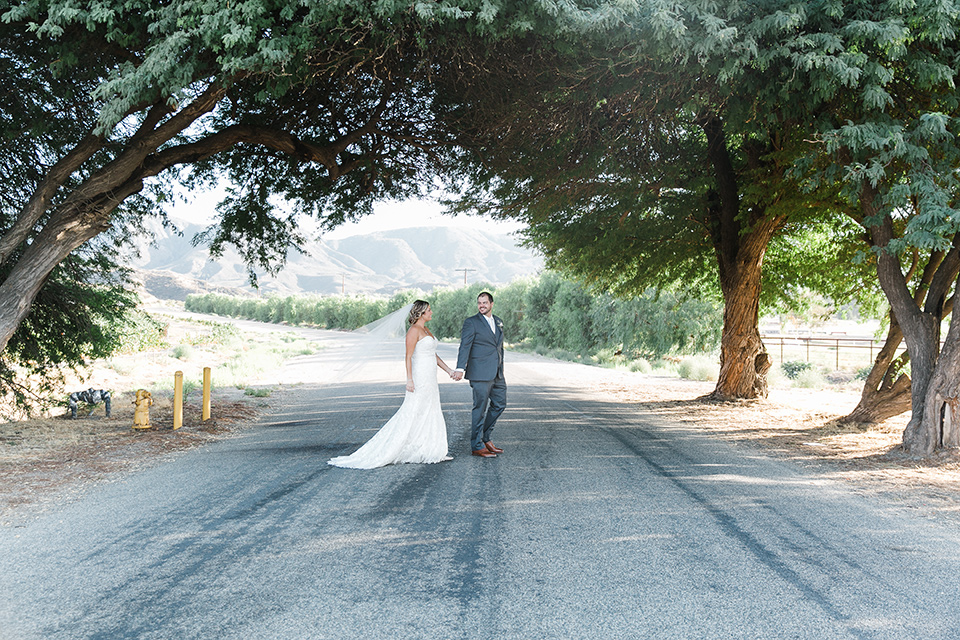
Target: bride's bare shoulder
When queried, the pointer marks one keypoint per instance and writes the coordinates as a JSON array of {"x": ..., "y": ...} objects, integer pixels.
[{"x": 417, "y": 333}]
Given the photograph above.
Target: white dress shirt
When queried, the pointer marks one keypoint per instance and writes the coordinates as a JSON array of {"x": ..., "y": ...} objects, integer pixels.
[{"x": 489, "y": 320}]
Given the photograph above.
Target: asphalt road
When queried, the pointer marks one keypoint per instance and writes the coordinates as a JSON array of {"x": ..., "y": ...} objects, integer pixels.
[{"x": 595, "y": 523}]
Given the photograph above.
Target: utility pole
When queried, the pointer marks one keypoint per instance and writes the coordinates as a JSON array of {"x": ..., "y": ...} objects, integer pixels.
[
  {"x": 343, "y": 283},
  {"x": 465, "y": 274}
]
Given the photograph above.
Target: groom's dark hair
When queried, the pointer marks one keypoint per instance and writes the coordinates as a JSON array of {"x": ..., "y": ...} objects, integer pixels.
[{"x": 486, "y": 293}]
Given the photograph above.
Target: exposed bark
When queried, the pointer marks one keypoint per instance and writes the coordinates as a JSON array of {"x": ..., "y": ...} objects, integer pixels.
[
  {"x": 49, "y": 248},
  {"x": 939, "y": 425},
  {"x": 921, "y": 330},
  {"x": 44, "y": 193},
  {"x": 744, "y": 361},
  {"x": 886, "y": 391},
  {"x": 739, "y": 247}
]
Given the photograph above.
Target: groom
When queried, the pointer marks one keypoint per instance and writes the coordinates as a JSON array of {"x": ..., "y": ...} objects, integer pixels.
[{"x": 480, "y": 361}]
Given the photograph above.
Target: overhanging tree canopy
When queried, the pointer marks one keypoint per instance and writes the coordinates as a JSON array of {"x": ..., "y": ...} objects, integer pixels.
[
  {"x": 326, "y": 104},
  {"x": 791, "y": 105},
  {"x": 335, "y": 104},
  {"x": 638, "y": 163}
]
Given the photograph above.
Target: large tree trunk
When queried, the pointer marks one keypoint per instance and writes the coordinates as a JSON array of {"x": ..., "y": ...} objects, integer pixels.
[
  {"x": 740, "y": 241},
  {"x": 921, "y": 327},
  {"x": 923, "y": 341},
  {"x": 886, "y": 391},
  {"x": 939, "y": 425},
  {"x": 744, "y": 360},
  {"x": 49, "y": 248}
]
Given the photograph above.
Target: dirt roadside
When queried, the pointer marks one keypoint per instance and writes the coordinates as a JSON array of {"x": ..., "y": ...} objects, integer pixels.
[
  {"x": 800, "y": 425},
  {"x": 46, "y": 461}
]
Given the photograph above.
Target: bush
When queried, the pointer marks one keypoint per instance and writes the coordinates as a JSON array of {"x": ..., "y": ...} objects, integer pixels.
[
  {"x": 549, "y": 314},
  {"x": 182, "y": 352},
  {"x": 792, "y": 369},
  {"x": 641, "y": 366},
  {"x": 570, "y": 319},
  {"x": 610, "y": 357},
  {"x": 451, "y": 306},
  {"x": 142, "y": 333},
  {"x": 776, "y": 378},
  {"x": 665, "y": 367},
  {"x": 810, "y": 379},
  {"x": 509, "y": 307},
  {"x": 537, "y": 301},
  {"x": 657, "y": 324},
  {"x": 702, "y": 368}
]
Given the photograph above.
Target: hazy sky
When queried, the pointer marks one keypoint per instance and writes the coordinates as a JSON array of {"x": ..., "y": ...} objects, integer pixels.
[
  {"x": 416, "y": 213},
  {"x": 388, "y": 215}
]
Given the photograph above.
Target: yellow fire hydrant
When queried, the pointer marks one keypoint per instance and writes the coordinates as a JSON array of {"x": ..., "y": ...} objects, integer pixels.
[{"x": 141, "y": 415}]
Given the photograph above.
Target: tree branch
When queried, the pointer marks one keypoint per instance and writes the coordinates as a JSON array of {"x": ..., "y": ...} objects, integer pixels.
[{"x": 43, "y": 195}]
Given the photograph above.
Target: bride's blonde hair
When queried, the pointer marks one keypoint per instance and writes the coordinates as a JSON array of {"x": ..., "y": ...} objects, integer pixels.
[{"x": 418, "y": 309}]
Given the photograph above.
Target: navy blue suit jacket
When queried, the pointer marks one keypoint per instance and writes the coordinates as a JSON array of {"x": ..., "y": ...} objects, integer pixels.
[{"x": 481, "y": 351}]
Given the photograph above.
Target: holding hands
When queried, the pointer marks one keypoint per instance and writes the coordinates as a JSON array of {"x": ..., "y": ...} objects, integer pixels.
[{"x": 456, "y": 375}]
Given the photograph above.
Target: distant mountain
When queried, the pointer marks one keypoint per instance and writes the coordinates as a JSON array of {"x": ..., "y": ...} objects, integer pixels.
[{"x": 380, "y": 263}]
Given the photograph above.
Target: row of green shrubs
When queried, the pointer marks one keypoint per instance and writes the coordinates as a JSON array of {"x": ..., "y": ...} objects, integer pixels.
[{"x": 543, "y": 312}]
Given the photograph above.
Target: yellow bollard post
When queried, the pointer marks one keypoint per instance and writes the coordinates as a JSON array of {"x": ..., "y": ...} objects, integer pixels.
[
  {"x": 178, "y": 400},
  {"x": 206, "y": 393}
]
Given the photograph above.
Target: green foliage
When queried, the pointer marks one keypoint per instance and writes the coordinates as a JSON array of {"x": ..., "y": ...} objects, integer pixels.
[
  {"x": 537, "y": 304},
  {"x": 190, "y": 385},
  {"x": 511, "y": 306},
  {"x": 451, "y": 306},
  {"x": 793, "y": 368},
  {"x": 821, "y": 265},
  {"x": 182, "y": 352},
  {"x": 548, "y": 312},
  {"x": 339, "y": 312},
  {"x": 593, "y": 120},
  {"x": 640, "y": 365},
  {"x": 325, "y": 107},
  {"x": 638, "y": 166},
  {"x": 698, "y": 368},
  {"x": 810, "y": 379},
  {"x": 142, "y": 332},
  {"x": 83, "y": 312},
  {"x": 570, "y": 320},
  {"x": 654, "y": 325}
]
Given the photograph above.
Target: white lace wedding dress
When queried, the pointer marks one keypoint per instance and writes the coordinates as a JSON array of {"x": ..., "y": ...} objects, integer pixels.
[{"x": 416, "y": 432}]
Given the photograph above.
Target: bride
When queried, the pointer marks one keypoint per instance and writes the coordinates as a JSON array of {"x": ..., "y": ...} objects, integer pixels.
[{"x": 416, "y": 432}]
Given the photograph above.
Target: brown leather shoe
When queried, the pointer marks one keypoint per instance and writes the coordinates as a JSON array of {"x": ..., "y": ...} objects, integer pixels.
[
  {"x": 483, "y": 453},
  {"x": 493, "y": 449}
]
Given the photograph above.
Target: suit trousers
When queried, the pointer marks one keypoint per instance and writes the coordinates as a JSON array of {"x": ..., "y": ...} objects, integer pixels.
[{"x": 489, "y": 401}]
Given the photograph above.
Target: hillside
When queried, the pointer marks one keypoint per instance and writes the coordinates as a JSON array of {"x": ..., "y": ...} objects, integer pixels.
[{"x": 379, "y": 263}]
